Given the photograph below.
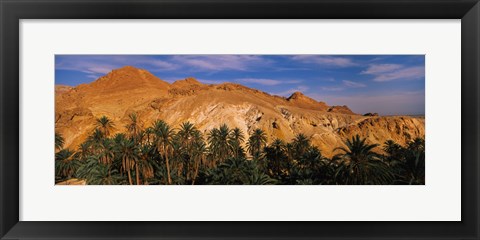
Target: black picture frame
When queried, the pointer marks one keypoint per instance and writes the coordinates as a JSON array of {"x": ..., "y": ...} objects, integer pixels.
[{"x": 12, "y": 11}]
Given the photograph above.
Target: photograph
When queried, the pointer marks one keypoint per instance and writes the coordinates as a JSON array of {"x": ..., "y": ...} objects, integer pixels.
[{"x": 218, "y": 119}]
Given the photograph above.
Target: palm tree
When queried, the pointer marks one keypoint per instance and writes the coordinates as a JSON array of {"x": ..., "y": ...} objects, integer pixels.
[
  {"x": 144, "y": 163},
  {"x": 199, "y": 150},
  {"x": 218, "y": 140},
  {"x": 186, "y": 136},
  {"x": 84, "y": 150},
  {"x": 96, "y": 173},
  {"x": 414, "y": 165},
  {"x": 235, "y": 140},
  {"x": 59, "y": 141},
  {"x": 238, "y": 171},
  {"x": 395, "y": 152},
  {"x": 300, "y": 144},
  {"x": 148, "y": 135},
  {"x": 275, "y": 154},
  {"x": 417, "y": 145},
  {"x": 290, "y": 151},
  {"x": 256, "y": 142},
  {"x": 391, "y": 147},
  {"x": 127, "y": 153},
  {"x": 312, "y": 158},
  {"x": 163, "y": 140},
  {"x": 105, "y": 125},
  {"x": 257, "y": 177},
  {"x": 107, "y": 153},
  {"x": 313, "y": 168},
  {"x": 65, "y": 164},
  {"x": 360, "y": 165},
  {"x": 133, "y": 128},
  {"x": 95, "y": 140}
]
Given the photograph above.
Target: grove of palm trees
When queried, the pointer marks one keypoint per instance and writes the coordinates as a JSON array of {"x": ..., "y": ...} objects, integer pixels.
[{"x": 163, "y": 155}]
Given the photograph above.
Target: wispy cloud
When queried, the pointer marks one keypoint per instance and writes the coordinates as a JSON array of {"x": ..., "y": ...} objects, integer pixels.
[
  {"x": 104, "y": 64},
  {"x": 280, "y": 69},
  {"x": 267, "y": 82},
  {"x": 220, "y": 62},
  {"x": 331, "y": 61},
  {"x": 353, "y": 84},
  {"x": 162, "y": 65},
  {"x": 333, "y": 89},
  {"x": 390, "y": 72},
  {"x": 345, "y": 84},
  {"x": 381, "y": 68},
  {"x": 92, "y": 76},
  {"x": 84, "y": 66}
]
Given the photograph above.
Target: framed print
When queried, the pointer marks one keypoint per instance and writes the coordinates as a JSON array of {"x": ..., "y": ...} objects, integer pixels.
[{"x": 238, "y": 119}]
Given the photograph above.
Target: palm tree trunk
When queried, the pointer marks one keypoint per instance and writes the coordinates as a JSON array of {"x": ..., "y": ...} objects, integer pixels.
[
  {"x": 168, "y": 166},
  {"x": 137, "y": 176},
  {"x": 129, "y": 178},
  {"x": 196, "y": 170}
]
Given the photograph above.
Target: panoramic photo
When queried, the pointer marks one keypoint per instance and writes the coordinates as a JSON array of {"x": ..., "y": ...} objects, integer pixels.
[{"x": 239, "y": 120}]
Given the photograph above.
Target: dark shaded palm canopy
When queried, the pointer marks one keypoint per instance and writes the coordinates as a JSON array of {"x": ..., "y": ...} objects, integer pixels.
[
  {"x": 357, "y": 150},
  {"x": 256, "y": 142},
  {"x": 59, "y": 141},
  {"x": 219, "y": 141},
  {"x": 301, "y": 143},
  {"x": 186, "y": 133},
  {"x": 161, "y": 154},
  {"x": 359, "y": 164},
  {"x": 163, "y": 140},
  {"x": 236, "y": 135},
  {"x": 127, "y": 152}
]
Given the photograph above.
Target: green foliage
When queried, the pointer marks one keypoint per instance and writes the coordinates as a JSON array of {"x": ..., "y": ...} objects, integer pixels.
[
  {"x": 256, "y": 143},
  {"x": 65, "y": 165},
  {"x": 358, "y": 164},
  {"x": 237, "y": 171},
  {"x": 160, "y": 154},
  {"x": 97, "y": 173},
  {"x": 408, "y": 162},
  {"x": 59, "y": 141},
  {"x": 105, "y": 125}
]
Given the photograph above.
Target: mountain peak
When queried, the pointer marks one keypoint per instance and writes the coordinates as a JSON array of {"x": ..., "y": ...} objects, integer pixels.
[
  {"x": 127, "y": 67},
  {"x": 125, "y": 70},
  {"x": 129, "y": 77},
  {"x": 340, "y": 109},
  {"x": 300, "y": 99},
  {"x": 296, "y": 95},
  {"x": 189, "y": 81}
]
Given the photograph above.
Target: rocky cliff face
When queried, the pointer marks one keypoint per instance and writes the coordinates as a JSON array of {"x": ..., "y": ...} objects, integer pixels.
[{"x": 129, "y": 89}]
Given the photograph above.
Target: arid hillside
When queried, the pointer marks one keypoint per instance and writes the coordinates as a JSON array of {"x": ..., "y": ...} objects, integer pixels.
[{"x": 128, "y": 89}]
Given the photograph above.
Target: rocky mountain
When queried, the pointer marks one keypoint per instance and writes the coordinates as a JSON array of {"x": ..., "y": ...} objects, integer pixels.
[
  {"x": 60, "y": 89},
  {"x": 128, "y": 89}
]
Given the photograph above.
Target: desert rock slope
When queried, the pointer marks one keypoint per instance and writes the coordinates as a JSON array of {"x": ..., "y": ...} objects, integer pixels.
[{"x": 129, "y": 89}]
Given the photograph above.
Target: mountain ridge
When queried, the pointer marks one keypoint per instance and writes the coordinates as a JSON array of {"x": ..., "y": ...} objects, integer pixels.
[{"x": 129, "y": 89}]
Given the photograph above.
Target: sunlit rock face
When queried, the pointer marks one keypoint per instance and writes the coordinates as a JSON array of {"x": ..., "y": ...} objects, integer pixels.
[{"x": 128, "y": 89}]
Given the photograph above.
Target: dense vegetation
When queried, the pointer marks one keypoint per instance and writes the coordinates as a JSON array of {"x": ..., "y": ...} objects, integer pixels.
[{"x": 163, "y": 155}]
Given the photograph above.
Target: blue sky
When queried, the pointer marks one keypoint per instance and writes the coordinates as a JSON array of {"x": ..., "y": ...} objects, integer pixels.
[{"x": 387, "y": 84}]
